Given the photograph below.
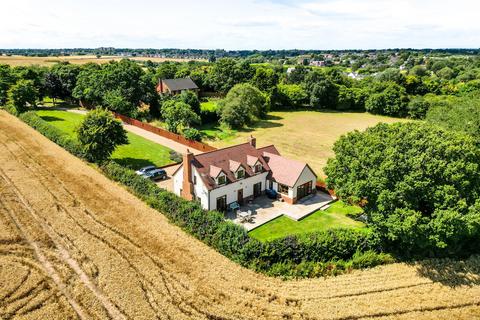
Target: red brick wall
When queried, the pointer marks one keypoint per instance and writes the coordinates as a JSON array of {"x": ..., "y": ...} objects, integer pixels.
[
  {"x": 323, "y": 187},
  {"x": 165, "y": 133}
]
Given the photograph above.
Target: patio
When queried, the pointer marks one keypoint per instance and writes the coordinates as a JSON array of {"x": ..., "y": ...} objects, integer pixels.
[{"x": 264, "y": 209}]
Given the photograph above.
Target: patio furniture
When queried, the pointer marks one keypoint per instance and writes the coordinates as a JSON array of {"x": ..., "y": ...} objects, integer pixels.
[
  {"x": 234, "y": 206},
  {"x": 243, "y": 216}
]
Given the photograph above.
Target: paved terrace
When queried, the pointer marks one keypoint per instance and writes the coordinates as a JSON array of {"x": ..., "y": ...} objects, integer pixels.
[{"x": 265, "y": 209}]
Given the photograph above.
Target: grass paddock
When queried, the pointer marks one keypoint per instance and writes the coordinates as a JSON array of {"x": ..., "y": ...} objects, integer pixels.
[
  {"x": 307, "y": 136},
  {"x": 139, "y": 152}
]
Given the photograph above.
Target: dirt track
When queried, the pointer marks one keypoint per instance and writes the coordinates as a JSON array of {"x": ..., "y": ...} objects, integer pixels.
[{"x": 75, "y": 245}]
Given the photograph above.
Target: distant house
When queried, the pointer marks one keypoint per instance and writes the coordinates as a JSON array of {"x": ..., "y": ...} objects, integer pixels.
[
  {"x": 290, "y": 70},
  {"x": 317, "y": 63},
  {"x": 176, "y": 86},
  {"x": 240, "y": 173}
]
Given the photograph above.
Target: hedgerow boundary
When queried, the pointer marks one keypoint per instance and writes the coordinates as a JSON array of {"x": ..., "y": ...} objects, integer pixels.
[{"x": 315, "y": 254}]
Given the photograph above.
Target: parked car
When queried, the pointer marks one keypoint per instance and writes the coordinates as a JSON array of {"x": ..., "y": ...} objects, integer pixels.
[
  {"x": 144, "y": 170},
  {"x": 271, "y": 194},
  {"x": 155, "y": 175}
]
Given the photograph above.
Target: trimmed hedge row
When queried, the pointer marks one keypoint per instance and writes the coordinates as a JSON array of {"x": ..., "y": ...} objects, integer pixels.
[{"x": 317, "y": 254}]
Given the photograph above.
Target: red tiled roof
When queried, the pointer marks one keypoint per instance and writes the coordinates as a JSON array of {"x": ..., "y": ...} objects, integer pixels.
[
  {"x": 283, "y": 170},
  {"x": 222, "y": 159}
]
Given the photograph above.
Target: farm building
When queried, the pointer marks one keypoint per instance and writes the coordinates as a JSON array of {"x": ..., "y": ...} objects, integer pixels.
[{"x": 176, "y": 86}]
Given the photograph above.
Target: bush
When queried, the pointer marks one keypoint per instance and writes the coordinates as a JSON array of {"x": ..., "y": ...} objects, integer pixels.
[{"x": 192, "y": 134}]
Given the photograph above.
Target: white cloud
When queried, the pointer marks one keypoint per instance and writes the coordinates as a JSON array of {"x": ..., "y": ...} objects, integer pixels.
[{"x": 250, "y": 24}]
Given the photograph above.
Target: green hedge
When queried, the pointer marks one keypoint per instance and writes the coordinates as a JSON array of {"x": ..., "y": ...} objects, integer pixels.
[{"x": 316, "y": 254}]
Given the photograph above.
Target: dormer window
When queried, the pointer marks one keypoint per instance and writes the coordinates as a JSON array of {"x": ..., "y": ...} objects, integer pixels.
[
  {"x": 221, "y": 180},
  {"x": 258, "y": 168},
  {"x": 240, "y": 173}
]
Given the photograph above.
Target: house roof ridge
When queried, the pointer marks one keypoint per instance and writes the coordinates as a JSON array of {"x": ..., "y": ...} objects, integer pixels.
[{"x": 212, "y": 151}]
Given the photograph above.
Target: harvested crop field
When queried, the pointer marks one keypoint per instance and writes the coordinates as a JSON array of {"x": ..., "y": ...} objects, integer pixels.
[
  {"x": 81, "y": 59},
  {"x": 75, "y": 245}
]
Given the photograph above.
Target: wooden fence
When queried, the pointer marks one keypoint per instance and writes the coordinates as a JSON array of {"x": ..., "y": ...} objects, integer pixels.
[{"x": 165, "y": 133}]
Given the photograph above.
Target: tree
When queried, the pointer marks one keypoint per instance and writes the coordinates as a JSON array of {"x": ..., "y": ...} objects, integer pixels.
[
  {"x": 392, "y": 101},
  {"x": 418, "y": 185},
  {"x": 418, "y": 107},
  {"x": 7, "y": 79},
  {"x": 446, "y": 73},
  {"x": 126, "y": 79},
  {"x": 190, "y": 98},
  {"x": 178, "y": 115},
  {"x": 66, "y": 74},
  {"x": 22, "y": 94},
  {"x": 99, "y": 134},
  {"x": 458, "y": 115},
  {"x": 34, "y": 73},
  {"x": 265, "y": 79},
  {"x": 226, "y": 73},
  {"x": 53, "y": 86},
  {"x": 243, "y": 104},
  {"x": 324, "y": 94},
  {"x": 292, "y": 95},
  {"x": 418, "y": 71}
]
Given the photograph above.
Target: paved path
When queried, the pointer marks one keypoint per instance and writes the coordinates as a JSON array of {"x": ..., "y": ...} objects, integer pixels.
[{"x": 169, "y": 143}]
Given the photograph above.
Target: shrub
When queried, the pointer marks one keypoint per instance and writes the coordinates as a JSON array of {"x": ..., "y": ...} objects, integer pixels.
[{"x": 192, "y": 134}]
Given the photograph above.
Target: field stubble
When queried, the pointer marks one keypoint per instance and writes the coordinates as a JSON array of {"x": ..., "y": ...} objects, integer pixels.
[{"x": 75, "y": 245}]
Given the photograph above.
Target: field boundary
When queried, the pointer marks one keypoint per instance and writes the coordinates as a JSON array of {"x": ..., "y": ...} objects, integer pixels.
[{"x": 165, "y": 133}]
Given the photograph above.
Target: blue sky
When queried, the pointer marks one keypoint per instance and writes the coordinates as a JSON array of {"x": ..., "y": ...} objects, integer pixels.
[{"x": 247, "y": 24}]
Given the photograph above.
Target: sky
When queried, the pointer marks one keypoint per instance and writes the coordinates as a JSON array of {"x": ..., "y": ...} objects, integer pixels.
[{"x": 245, "y": 24}]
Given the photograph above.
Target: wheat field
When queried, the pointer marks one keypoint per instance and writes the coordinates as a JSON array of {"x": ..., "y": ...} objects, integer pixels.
[
  {"x": 15, "y": 60},
  {"x": 74, "y": 245}
]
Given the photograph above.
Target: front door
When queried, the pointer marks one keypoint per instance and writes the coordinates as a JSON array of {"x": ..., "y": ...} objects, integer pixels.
[
  {"x": 222, "y": 204},
  {"x": 257, "y": 189},
  {"x": 240, "y": 196}
]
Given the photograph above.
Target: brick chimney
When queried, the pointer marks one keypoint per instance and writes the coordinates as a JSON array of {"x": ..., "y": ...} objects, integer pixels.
[
  {"x": 252, "y": 141},
  {"x": 187, "y": 185},
  {"x": 160, "y": 86}
]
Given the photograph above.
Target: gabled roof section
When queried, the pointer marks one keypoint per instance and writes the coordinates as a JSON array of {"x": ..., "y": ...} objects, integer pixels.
[
  {"x": 283, "y": 170},
  {"x": 251, "y": 160},
  {"x": 180, "y": 84},
  {"x": 234, "y": 165},
  {"x": 215, "y": 171},
  {"x": 270, "y": 149}
]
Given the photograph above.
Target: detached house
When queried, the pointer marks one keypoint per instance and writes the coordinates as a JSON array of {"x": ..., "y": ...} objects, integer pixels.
[
  {"x": 240, "y": 173},
  {"x": 176, "y": 86}
]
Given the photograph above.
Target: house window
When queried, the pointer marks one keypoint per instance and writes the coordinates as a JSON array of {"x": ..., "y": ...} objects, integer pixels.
[
  {"x": 258, "y": 168},
  {"x": 240, "y": 174},
  {"x": 221, "y": 180},
  {"x": 282, "y": 188},
  {"x": 194, "y": 179}
]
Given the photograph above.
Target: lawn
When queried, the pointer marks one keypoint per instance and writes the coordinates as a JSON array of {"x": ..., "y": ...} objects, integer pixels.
[
  {"x": 333, "y": 217},
  {"x": 307, "y": 136},
  {"x": 210, "y": 105},
  {"x": 138, "y": 153}
]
